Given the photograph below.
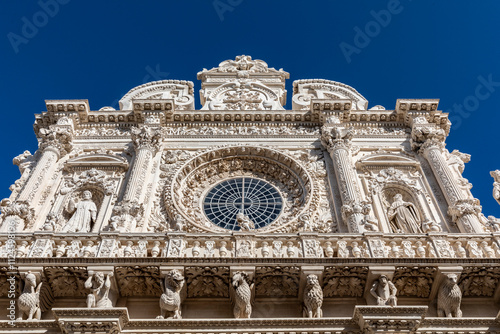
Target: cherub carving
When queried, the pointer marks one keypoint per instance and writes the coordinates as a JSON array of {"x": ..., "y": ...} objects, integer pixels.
[
  {"x": 369, "y": 222},
  {"x": 384, "y": 291}
]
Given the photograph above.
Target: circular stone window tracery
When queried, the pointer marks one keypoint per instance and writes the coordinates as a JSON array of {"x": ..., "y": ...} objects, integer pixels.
[
  {"x": 193, "y": 182},
  {"x": 257, "y": 200}
]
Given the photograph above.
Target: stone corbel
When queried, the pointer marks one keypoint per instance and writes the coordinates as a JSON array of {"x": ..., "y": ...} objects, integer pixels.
[
  {"x": 441, "y": 275},
  {"x": 374, "y": 272},
  {"x": 250, "y": 271},
  {"x": 107, "y": 270},
  {"x": 164, "y": 270},
  {"x": 87, "y": 321},
  {"x": 387, "y": 319},
  {"x": 306, "y": 271}
]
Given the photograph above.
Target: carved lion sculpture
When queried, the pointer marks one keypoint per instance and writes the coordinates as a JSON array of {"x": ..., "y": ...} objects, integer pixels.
[
  {"x": 29, "y": 301},
  {"x": 449, "y": 298},
  {"x": 242, "y": 295},
  {"x": 170, "y": 300},
  {"x": 313, "y": 298}
]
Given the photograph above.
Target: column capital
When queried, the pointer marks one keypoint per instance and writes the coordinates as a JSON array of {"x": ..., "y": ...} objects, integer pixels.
[
  {"x": 16, "y": 214},
  {"x": 464, "y": 207},
  {"x": 56, "y": 138},
  {"x": 146, "y": 137},
  {"x": 334, "y": 138},
  {"x": 425, "y": 136}
]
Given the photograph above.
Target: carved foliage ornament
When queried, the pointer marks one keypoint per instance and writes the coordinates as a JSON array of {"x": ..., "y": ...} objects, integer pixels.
[
  {"x": 344, "y": 281},
  {"x": 67, "y": 281},
  {"x": 207, "y": 281},
  {"x": 138, "y": 281},
  {"x": 414, "y": 282},
  {"x": 146, "y": 137},
  {"x": 479, "y": 281},
  {"x": 92, "y": 177},
  {"x": 277, "y": 281}
]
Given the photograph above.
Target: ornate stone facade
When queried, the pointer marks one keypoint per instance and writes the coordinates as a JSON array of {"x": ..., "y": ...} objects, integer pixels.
[{"x": 246, "y": 217}]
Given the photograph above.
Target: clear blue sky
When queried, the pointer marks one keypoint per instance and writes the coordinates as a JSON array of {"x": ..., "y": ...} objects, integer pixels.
[{"x": 98, "y": 50}]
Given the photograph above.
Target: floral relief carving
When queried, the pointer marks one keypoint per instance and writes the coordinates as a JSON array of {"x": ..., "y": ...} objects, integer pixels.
[
  {"x": 414, "y": 282},
  {"x": 479, "y": 281},
  {"x": 207, "y": 281},
  {"x": 67, "y": 281},
  {"x": 277, "y": 281},
  {"x": 138, "y": 281},
  {"x": 344, "y": 281}
]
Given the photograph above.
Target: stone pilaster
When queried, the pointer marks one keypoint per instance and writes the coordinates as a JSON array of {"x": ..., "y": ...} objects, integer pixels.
[
  {"x": 338, "y": 143},
  {"x": 128, "y": 213},
  {"x": 56, "y": 141},
  {"x": 464, "y": 210}
]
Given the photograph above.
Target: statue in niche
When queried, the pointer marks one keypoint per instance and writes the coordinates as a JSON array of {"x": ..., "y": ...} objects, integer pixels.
[
  {"x": 84, "y": 212},
  {"x": 244, "y": 222},
  {"x": 384, "y": 292},
  {"x": 99, "y": 290},
  {"x": 404, "y": 216}
]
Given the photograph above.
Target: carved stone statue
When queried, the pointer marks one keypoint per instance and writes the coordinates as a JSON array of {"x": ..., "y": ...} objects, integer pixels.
[
  {"x": 99, "y": 290},
  {"x": 369, "y": 222},
  {"x": 496, "y": 185},
  {"x": 84, "y": 213},
  {"x": 28, "y": 302},
  {"x": 313, "y": 298},
  {"x": 170, "y": 300},
  {"x": 50, "y": 222},
  {"x": 384, "y": 291},
  {"x": 244, "y": 222},
  {"x": 404, "y": 216},
  {"x": 449, "y": 298},
  {"x": 241, "y": 295}
]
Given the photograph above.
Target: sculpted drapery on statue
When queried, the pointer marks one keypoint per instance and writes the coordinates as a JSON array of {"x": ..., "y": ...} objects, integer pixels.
[
  {"x": 404, "y": 216},
  {"x": 84, "y": 212}
]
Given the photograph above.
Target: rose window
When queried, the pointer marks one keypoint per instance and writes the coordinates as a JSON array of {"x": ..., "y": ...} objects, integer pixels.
[{"x": 257, "y": 201}]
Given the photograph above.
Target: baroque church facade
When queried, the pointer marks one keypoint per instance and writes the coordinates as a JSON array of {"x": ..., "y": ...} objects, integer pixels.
[{"x": 246, "y": 217}]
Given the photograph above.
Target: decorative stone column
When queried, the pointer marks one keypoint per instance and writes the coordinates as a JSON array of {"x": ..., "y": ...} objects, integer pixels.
[
  {"x": 464, "y": 210},
  {"x": 128, "y": 213},
  {"x": 55, "y": 142},
  {"x": 338, "y": 143}
]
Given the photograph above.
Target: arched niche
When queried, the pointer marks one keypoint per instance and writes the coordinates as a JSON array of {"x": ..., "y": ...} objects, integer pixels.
[{"x": 388, "y": 170}]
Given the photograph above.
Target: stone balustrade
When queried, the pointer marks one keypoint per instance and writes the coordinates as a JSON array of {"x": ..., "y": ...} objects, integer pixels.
[{"x": 252, "y": 245}]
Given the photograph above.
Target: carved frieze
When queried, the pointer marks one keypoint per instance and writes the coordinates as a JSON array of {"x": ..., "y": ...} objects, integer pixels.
[
  {"x": 207, "y": 281},
  {"x": 277, "y": 281}
]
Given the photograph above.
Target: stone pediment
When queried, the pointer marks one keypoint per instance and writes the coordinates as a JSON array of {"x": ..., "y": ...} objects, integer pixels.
[
  {"x": 306, "y": 90},
  {"x": 97, "y": 160},
  {"x": 180, "y": 91}
]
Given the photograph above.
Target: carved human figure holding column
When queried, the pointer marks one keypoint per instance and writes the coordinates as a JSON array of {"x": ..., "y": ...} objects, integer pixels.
[
  {"x": 99, "y": 290},
  {"x": 404, "y": 216},
  {"x": 84, "y": 212},
  {"x": 384, "y": 291}
]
